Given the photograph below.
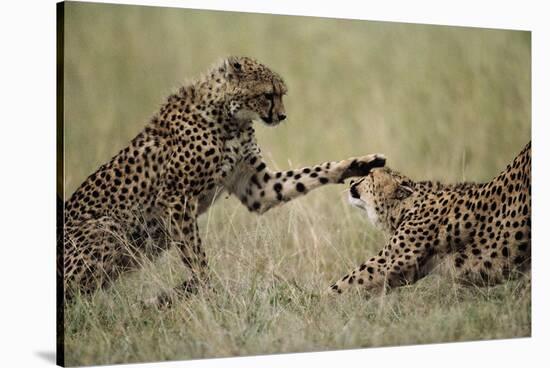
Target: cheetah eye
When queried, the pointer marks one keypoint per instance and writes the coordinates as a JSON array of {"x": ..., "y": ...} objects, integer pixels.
[
  {"x": 237, "y": 65},
  {"x": 269, "y": 96},
  {"x": 403, "y": 191}
]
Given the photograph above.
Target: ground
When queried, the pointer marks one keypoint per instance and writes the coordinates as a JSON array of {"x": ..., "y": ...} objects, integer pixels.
[
  {"x": 448, "y": 104},
  {"x": 267, "y": 300}
]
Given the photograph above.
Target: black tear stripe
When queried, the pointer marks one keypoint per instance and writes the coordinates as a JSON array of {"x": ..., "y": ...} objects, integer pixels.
[{"x": 272, "y": 100}]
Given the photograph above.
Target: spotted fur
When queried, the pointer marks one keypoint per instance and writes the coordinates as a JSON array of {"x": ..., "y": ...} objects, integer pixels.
[
  {"x": 481, "y": 232},
  {"x": 147, "y": 198}
]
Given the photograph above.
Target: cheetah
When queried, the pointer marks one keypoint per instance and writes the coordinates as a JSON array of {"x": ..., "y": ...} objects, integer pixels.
[
  {"x": 201, "y": 143},
  {"x": 479, "y": 232}
]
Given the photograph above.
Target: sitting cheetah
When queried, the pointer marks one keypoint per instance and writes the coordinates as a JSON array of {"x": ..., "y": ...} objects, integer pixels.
[
  {"x": 148, "y": 196},
  {"x": 482, "y": 231}
]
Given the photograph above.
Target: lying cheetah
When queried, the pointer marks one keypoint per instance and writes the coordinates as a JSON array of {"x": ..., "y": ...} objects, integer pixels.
[
  {"x": 482, "y": 231},
  {"x": 148, "y": 196}
]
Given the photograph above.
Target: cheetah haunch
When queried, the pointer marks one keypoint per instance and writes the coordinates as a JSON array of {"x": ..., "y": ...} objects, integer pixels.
[
  {"x": 482, "y": 232},
  {"x": 147, "y": 197}
]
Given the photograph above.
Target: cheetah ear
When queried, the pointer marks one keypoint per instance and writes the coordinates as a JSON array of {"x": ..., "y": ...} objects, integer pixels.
[
  {"x": 404, "y": 190},
  {"x": 233, "y": 67}
]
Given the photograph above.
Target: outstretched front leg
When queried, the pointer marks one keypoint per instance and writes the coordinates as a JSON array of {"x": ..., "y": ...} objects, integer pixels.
[
  {"x": 400, "y": 262},
  {"x": 260, "y": 189}
]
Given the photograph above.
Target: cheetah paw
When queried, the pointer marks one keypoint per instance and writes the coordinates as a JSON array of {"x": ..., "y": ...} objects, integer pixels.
[{"x": 361, "y": 166}]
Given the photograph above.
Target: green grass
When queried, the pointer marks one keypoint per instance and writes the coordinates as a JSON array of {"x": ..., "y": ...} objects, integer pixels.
[{"x": 441, "y": 102}]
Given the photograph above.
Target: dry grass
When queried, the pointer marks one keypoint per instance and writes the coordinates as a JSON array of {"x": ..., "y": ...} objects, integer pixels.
[{"x": 443, "y": 103}]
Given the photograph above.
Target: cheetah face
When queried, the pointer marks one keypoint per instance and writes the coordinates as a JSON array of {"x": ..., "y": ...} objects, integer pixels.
[
  {"x": 266, "y": 105},
  {"x": 381, "y": 194},
  {"x": 257, "y": 91}
]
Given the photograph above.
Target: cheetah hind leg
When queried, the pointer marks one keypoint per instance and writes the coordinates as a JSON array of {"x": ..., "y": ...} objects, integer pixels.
[
  {"x": 95, "y": 254},
  {"x": 486, "y": 268}
]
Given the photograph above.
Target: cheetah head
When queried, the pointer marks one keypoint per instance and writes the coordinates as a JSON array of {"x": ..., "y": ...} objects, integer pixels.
[
  {"x": 384, "y": 195},
  {"x": 254, "y": 91}
]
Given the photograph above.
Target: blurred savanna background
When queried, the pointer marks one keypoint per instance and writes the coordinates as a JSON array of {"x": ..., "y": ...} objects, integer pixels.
[{"x": 444, "y": 103}]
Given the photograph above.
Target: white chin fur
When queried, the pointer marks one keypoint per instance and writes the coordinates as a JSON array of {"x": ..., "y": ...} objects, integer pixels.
[
  {"x": 247, "y": 115},
  {"x": 356, "y": 202},
  {"x": 371, "y": 213},
  {"x": 272, "y": 124}
]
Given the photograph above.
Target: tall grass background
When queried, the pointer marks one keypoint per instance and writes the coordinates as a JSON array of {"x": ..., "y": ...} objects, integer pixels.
[{"x": 445, "y": 103}]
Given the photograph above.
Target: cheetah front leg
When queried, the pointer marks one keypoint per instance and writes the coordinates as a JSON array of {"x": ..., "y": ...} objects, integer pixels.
[
  {"x": 180, "y": 217},
  {"x": 400, "y": 262},
  {"x": 260, "y": 189}
]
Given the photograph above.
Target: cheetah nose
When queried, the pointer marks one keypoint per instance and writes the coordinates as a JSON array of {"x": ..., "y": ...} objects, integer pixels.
[
  {"x": 353, "y": 191},
  {"x": 281, "y": 117}
]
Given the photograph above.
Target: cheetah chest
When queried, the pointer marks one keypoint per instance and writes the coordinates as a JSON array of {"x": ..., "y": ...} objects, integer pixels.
[{"x": 229, "y": 173}]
